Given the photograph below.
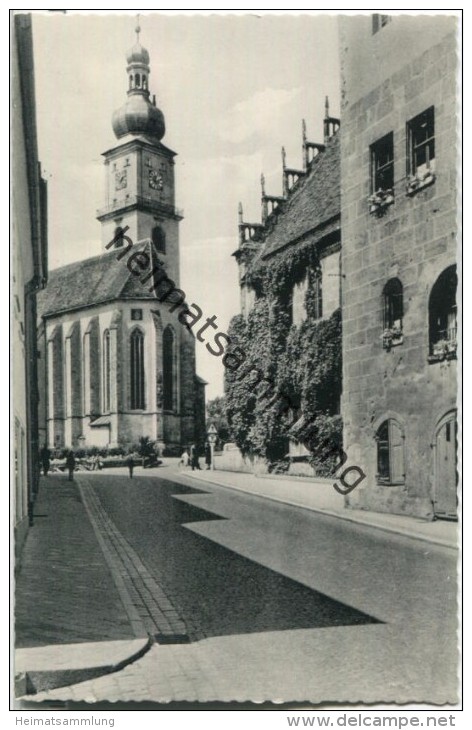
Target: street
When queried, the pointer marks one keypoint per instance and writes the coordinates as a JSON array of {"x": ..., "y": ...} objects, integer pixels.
[{"x": 250, "y": 599}]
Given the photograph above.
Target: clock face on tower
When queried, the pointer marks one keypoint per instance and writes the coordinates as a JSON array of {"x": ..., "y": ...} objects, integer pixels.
[
  {"x": 120, "y": 179},
  {"x": 155, "y": 180}
]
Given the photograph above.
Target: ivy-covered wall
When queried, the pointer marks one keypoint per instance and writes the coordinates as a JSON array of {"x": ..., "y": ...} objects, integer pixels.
[{"x": 286, "y": 380}]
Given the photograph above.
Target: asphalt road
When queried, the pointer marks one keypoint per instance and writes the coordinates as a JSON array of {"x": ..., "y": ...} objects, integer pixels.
[
  {"x": 238, "y": 563},
  {"x": 215, "y": 589},
  {"x": 282, "y": 602}
]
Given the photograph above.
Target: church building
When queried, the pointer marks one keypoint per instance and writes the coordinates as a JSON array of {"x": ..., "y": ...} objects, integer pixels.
[{"x": 118, "y": 363}]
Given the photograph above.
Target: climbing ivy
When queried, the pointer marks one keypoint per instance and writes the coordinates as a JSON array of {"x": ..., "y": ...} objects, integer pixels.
[{"x": 287, "y": 370}]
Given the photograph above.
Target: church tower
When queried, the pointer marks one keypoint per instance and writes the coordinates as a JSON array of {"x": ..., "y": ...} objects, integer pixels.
[
  {"x": 139, "y": 170},
  {"x": 119, "y": 363}
]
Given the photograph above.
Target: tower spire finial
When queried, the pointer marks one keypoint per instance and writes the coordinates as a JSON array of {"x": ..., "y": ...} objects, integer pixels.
[{"x": 137, "y": 30}]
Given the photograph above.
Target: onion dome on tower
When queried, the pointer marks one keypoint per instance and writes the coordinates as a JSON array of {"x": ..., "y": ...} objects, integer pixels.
[{"x": 138, "y": 116}]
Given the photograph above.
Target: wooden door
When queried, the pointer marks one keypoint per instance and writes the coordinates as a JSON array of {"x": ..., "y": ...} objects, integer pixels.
[
  {"x": 445, "y": 476},
  {"x": 397, "y": 464}
]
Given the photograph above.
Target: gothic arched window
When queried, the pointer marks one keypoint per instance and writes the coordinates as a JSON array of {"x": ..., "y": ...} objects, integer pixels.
[
  {"x": 106, "y": 371},
  {"x": 168, "y": 366},
  {"x": 390, "y": 457},
  {"x": 443, "y": 314},
  {"x": 393, "y": 305},
  {"x": 137, "y": 400},
  {"x": 159, "y": 239}
]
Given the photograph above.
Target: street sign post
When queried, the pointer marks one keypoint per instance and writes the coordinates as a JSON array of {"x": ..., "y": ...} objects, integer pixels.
[{"x": 212, "y": 436}]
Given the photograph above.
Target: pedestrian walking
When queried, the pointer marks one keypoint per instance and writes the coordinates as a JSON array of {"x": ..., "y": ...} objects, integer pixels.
[
  {"x": 130, "y": 465},
  {"x": 45, "y": 457},
  {"x": 184, "y": 459},
  {"x": 70, "y": 465},
  {"x": 208, "y": 455}
]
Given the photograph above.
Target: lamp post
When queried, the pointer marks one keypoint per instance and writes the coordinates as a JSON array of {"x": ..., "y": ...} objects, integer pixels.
[{"x": 212, "y": 436}]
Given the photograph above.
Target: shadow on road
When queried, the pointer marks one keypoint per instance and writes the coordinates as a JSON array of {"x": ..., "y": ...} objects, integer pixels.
[{"x": 214, "y": 589}]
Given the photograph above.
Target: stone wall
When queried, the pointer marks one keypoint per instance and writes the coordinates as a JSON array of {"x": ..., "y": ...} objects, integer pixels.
[{"x": 414, "y": 241}]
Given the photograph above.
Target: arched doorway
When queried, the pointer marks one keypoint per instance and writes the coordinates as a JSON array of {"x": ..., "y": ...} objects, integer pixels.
[{"x": 445, "y": 467}]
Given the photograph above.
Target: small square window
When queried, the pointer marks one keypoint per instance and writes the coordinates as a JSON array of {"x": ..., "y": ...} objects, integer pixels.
[
  {"x": 136, "y": 314},
  {"x": 421, "y": 148},
  {"x": 379, "y": 21},
  {"x": 381, "y": 158}
]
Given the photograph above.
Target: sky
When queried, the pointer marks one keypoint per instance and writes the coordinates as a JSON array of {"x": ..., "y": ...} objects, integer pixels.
[{"x": 233, "y": 89}]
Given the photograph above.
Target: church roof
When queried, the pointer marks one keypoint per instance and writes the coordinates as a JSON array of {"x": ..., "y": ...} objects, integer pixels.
[
  {"x": 95, "y": 281},
  {"x": 314, "y": 203}
]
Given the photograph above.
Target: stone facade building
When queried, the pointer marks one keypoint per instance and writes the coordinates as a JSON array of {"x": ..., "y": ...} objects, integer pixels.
[
  {"x": 388, "y": 180},
  {"x": 399, "y": 220},
  {"x": 119, "y": 363},
  {"x": 290, "y": 264},
  {"x": 29, "y": 274}
]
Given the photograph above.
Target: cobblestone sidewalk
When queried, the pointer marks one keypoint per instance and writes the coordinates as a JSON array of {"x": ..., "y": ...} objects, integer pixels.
[
  {"x": 64, "y": 592},
  {"x": 150, "y": 609}
]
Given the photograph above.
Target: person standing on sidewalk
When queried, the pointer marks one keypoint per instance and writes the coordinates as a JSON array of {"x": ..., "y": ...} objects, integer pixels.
[
  {"x": 208, "y": 455},
  {"x": 194, "y": 463},
  {"x": 130, "y": 465},
  {"x": 45, "y": 457},
  {"x": 184, "y": 459},
  {"x": 70, "y": 465}
]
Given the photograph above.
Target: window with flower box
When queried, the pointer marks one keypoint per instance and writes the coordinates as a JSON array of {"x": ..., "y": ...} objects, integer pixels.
[
  {"x": 443, "y": 317},
  {"x": 381, "y": 174},
  {"x": 393, "y": 313},
  {"x": 421, "y": 151}
]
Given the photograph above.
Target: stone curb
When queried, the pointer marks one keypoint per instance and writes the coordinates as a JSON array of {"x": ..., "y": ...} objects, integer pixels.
[
  {"x": 30, "y": 682},
  {"x": 431, "y": 539}
]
